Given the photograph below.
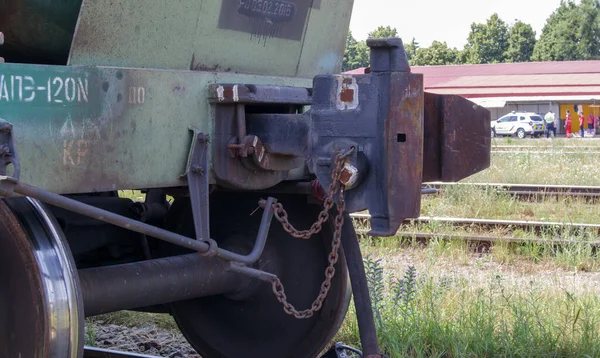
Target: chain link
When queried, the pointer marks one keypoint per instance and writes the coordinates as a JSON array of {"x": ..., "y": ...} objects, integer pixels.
[{"x": 282, "y": 216}]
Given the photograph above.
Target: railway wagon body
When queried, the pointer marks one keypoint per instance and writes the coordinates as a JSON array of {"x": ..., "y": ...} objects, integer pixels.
[{"x": 250, "y": 149}]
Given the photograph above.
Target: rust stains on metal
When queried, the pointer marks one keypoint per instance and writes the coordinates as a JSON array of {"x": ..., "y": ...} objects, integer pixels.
[
  {"x": 404, "y": 136},
  {"x": 349, "y": 175},
  {"x": 347, "y": 93},
  {"x": 195, "y": 66},
  {"x": 457, "y": 138}
]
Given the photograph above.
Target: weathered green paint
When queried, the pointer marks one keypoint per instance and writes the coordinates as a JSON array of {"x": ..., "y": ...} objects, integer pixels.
[
  {"x": 104, "y": 128},
  {"x": 185, "y": 34}
]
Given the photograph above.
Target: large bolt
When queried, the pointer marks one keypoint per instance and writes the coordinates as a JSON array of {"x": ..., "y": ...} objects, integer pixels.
[
  {"x": 349, "y": 175},
  {"x": 197, "y": 169},
  {"x": 4, "y": 151}
]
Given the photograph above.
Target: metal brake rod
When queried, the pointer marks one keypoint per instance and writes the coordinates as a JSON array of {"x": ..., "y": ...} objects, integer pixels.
[{"x": 9, "y": 185}]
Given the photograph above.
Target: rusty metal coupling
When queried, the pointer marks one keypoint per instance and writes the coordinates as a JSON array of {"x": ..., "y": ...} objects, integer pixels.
[{"x": 279, "y": 212}]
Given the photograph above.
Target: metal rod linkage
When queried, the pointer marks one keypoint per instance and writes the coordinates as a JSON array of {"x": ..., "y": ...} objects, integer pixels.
[
  {"x": 360, "y": 290},
  {"x": 8, "y": 185}
]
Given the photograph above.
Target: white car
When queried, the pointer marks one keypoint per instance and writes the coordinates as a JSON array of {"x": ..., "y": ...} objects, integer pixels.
[{"x": 520, "y": 124}]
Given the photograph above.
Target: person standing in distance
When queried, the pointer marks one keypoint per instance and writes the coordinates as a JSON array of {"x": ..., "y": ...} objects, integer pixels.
[
  {"x": 568, "y": 124},
  {"x": 549, "y": 118},
  {"x": 581, "y": 122}
]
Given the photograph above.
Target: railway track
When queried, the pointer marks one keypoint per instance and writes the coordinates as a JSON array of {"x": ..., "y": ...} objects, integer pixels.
[
  {"x": 94, "y": 352},
  {"x": 528, "y": 147},
  {"x": 537, "y": 152},
  {"x": 483, "y": 242},
  {"x": 538, "y": 227},
  {"x": 482, "y": 239},
  {"x": 524, "y": 190}
]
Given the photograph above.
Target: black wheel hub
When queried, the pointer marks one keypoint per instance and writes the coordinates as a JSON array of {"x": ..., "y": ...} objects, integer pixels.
[{"x": 256, "y": 325}]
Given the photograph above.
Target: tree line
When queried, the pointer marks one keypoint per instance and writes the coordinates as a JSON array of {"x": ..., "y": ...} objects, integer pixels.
[{"x": 572, "y": 32}]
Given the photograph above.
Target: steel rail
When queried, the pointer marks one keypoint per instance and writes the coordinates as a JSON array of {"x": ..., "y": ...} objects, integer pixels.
[
  {"x": 537, "y": 152},
  {"x": 94, "y": 352},
  {"x": 491, "y": 223},
  {"x": 525, "y": 189},
  {"x": 484, "y": 238},
  {"x": 513, "y": 147}
]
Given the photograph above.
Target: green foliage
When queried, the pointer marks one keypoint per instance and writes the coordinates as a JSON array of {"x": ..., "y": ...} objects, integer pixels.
[
  {"x": 437, "y": 54},
  {"x": 450, "y": 316},
  {"x": 521, "y": 41},
  {"x": 356, "y": 54},
  {"x": 411, "y": 49},
  {"x": 572, "y": 32},
  {"x": 487, "y": 43},
  {"x": 383, "y": 32}
]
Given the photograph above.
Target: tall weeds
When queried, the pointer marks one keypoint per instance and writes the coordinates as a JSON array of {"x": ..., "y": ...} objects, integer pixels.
[{"x": 426, "y": 316}]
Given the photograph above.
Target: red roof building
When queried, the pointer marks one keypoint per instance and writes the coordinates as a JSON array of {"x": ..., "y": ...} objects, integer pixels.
[{"x": 530, "y": 86}]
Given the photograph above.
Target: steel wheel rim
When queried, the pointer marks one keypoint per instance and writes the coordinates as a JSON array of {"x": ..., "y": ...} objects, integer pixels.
[
  {"x": 316, "y": 331},
  {"x": 51, "y": 302}
]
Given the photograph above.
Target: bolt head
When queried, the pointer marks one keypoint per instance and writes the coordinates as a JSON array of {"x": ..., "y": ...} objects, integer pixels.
[
  {"x": 196, "y": 169},
  {"x": 349, "y": 175},
  {"x": 4, "y": 151}
]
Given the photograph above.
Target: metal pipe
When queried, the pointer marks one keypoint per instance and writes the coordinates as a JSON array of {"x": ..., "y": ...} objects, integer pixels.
[
  {"x": 149, "y": 230},
  {"x": 146, "y": 283},
  {"x": 360, "y": 290},
  {"x": 428, "y": 191}
]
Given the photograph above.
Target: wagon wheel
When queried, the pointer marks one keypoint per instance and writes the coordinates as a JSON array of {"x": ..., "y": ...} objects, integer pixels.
[
  {"x": 255, "y": 324},
  {"x": 41, "y": 312}
]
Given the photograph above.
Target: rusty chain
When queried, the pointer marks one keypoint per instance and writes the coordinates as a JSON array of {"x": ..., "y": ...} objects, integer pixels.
[{"x": 281, "y": 215}]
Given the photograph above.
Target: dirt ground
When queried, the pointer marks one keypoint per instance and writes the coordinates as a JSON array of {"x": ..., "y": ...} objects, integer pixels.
[{"x": 479, "y": 269}]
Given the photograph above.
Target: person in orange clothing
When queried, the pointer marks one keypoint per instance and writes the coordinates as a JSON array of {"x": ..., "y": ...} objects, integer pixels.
[
  {"x": 568, "y": 124},
  {"x": 590, "y": 121}
]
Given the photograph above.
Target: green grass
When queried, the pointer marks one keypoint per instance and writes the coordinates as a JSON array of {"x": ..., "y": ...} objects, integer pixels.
[
  {"x": 552, "y": 167},
  {"x": 542, "y": 142},
  {"x": 462, "y": 201},
  {"x": 531, "y": 168},
  {"x": 424, "y": 314}
]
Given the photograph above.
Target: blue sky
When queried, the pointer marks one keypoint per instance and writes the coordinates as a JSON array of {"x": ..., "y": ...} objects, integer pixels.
[{"x": 444, "y": 20}]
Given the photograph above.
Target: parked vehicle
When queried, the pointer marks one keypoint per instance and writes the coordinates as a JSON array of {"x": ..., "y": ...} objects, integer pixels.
[{"x": 520, "y": 124}]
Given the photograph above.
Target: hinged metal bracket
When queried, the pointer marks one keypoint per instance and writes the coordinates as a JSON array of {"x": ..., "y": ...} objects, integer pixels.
[{"x": 196, "y": 174}]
